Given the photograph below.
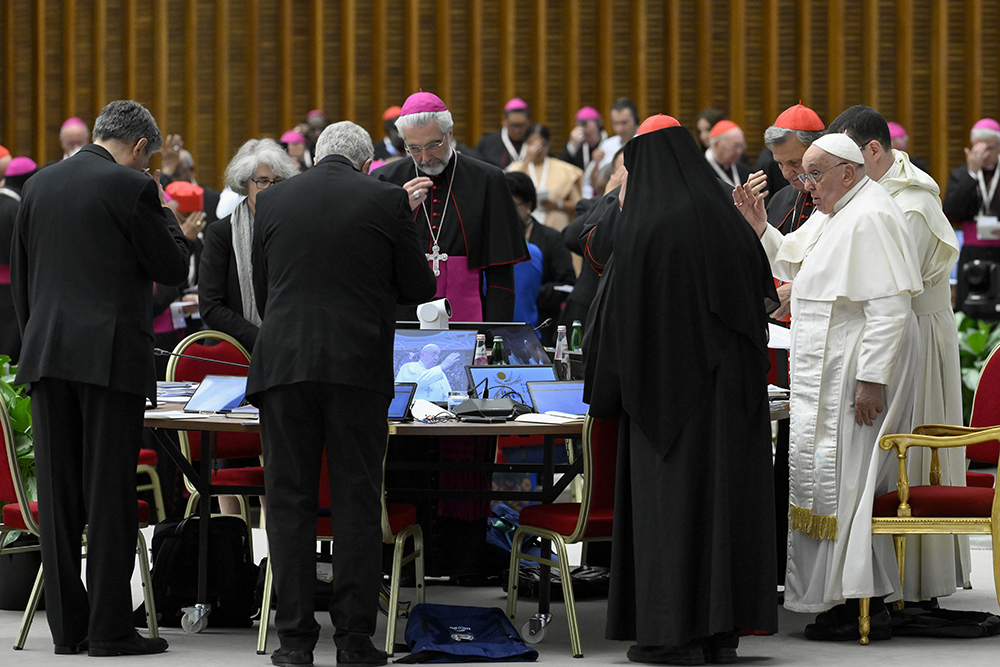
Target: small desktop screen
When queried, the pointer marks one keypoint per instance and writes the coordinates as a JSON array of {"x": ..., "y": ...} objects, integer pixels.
[
  {"x": 508, "y": 381},
  {"x": 434, "y": 360}
]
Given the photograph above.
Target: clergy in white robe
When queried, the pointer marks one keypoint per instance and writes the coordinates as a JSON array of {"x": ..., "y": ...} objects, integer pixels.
[
  {"x": 934, "y": 564},
  {"x": 854, "y": 360},
  {"x": 432, "y": 383}
]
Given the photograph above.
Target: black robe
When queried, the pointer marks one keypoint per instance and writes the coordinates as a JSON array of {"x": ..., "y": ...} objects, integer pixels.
[
  {"x": 492, "y": 149},
  {"x": 684, "y": 344},
  {"x": 557, "y": 269},
  {"x": 789, "y": 209},
  {"x": 481, "y": 224}
]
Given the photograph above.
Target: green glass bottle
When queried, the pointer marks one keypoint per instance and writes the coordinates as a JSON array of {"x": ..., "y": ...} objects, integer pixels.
[
  {"x": 576, "y": 339},
  {"x": 498, "y": 357}
]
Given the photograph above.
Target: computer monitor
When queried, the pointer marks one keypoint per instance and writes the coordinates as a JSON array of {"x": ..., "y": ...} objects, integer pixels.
[
  {"x": 399, "y": 408},
  {"x": 521, "y": 344},
  {"x": 434, "y": 360},
  {"x": 508, "y": 381}
]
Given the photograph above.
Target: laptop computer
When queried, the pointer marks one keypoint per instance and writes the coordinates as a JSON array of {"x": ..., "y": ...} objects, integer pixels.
[
  {"x": 399, "y": 408},
  {"x": 507, "y": 381},
  {"x": 562, "y": 397},
  {"x": 218, "y": 393}
]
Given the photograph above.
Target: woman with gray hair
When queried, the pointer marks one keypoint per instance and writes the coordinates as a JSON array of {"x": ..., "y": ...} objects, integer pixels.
[{"x": 225, "y": 284}]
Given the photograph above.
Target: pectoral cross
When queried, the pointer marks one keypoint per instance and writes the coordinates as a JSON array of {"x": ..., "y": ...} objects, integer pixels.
[{"x": 437, "y": 257}]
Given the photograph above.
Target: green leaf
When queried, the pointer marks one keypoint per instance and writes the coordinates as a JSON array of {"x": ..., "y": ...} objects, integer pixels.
[
  {"x": 977, "y": 340},
  {"x": 20, "y": 416}
]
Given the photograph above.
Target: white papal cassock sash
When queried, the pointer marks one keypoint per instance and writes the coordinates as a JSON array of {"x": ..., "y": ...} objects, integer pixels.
[{"x": 817, "y": 369}]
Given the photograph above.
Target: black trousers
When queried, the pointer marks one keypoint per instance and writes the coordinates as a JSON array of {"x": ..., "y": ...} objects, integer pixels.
[
  {"x": 86, "y": 449},
  {"x": 296, "y": 421}
]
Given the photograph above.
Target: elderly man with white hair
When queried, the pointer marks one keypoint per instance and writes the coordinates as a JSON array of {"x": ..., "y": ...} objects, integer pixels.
[
  {"x": 428, "y": 373},
  {"x": 463, "y": 212},
  {"x": 972, "y": 196},
  {"x": 724, "y": 151},
  {"x": 333, "y": 252},
  {"x": 855, "y": 342}
]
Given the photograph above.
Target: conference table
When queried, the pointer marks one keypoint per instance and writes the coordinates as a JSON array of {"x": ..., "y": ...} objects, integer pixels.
[
  {"x": 209, "y": 425},
  {"x": 195, "y": 619}
]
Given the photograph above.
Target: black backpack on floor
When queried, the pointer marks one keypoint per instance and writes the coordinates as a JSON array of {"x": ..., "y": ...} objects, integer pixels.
[{"x": 231, "y": 571}]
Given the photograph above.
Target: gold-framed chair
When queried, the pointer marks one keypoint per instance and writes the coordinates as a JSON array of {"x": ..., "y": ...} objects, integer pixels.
[
  {"x": 399, "y": 524},
  {"x": 18, "y": 513},
  {"x": 147, "y": 466},
  {"x": 232, "y": 356},
  {"x": 589, "y": 520},
  {"x": 934, "y": 509}
]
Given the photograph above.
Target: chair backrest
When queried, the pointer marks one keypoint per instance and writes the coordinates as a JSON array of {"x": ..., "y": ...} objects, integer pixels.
[
  {"x": 986, "y": 409},
  {"x": 8, "y": 460},
  {"x": 179, "y": 369},
  {"x": 600, "y": 458},
  {"x": 11, "y": 483}
]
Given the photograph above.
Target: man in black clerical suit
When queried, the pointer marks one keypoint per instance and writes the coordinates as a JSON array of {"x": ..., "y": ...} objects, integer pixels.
[
  {"x": 463, "y": 213},
  {"x": 506, "y": 146},
  {"x": 90, "y": 239},
  {"x": 334, "y": 251}
]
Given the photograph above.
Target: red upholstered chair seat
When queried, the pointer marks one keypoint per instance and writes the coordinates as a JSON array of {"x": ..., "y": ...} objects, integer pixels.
[
  {"x": 12, "y": 514},
  {"x": 983, "y": 480},
  {"x": 939, "y": 501},
  {"x": 239, "y": 476},
  {"x": 147, "y": 457},
  {"x": 563, "y": 517}
]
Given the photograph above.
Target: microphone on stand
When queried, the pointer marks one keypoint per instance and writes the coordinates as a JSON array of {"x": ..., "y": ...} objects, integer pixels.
[
  {"x": 160, "y": 352},
  {"x": 547, "y": 322}
]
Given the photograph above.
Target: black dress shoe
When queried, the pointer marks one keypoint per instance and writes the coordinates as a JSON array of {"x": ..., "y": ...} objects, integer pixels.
[
  {"x": 135, "y": 644},
  {"x": 881, "y": 629},
  {"x": 720, "y": 648},
  {"x": 692, "y": 653},
  {"x": 285, "y": 656},
  {"x": 365, "y": 656},
  {"x": 71, "y": 649}
]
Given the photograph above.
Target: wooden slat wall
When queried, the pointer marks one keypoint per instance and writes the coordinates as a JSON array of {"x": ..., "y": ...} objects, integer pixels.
[{"x": 221, "y": 71}]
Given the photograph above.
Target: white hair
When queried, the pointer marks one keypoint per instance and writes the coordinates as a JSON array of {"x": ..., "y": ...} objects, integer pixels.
[
  {"x": 443, "y": 119},
  {"x": 347, "y": 139},
  {"x": 983, "y": 134},
  {"x": 774, "y": 136},
  {"x": 251, "y": 155}
]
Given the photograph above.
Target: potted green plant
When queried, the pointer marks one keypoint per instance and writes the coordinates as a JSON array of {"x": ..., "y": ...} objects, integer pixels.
[
  {"x": 976, "y": 339},
  {"x": 17, "y": 570}
]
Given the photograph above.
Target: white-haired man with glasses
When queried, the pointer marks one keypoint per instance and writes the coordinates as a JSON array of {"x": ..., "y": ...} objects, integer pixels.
[
  {"x": 854, "y": 267},
  {"x": 463, "y": 212}
]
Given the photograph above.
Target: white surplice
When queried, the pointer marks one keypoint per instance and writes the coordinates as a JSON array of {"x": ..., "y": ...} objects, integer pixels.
[
  {"x": 854, "y": 272},
  {"x": 934, "y": 564}
]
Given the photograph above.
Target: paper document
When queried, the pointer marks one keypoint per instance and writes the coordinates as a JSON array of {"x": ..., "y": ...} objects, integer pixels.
[
  {"x": 780, "y": 338},
  {"x": 547, "y": 418},
  {"x": 152, "y": 414}
]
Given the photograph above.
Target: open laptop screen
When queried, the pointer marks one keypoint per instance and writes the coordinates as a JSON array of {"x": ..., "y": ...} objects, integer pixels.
[
  {"x": 218, "y": 393},
  {"x": 508, "y": 381},
  {"x": 565, "y": 397}
]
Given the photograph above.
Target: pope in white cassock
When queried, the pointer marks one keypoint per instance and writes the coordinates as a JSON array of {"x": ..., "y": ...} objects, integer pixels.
[
  {"x": 432, "y": 383},
  {"x": 935, "y": 564},
  {"x": 854, "y": 357}
]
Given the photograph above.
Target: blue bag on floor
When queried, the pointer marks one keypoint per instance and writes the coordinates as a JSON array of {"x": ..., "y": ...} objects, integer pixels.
[{"x": 447, "y": 633}]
